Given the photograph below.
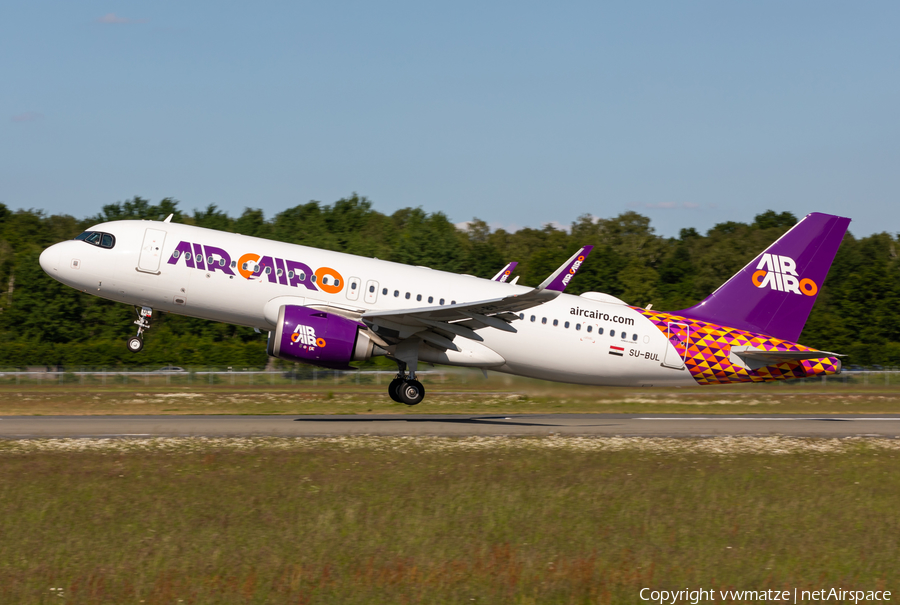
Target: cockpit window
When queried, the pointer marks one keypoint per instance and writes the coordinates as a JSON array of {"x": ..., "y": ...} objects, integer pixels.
[{"x": 96, "y": 238}]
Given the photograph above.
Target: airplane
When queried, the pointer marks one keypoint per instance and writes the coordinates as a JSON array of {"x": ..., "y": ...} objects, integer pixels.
[{"x": 329, "y": 308}]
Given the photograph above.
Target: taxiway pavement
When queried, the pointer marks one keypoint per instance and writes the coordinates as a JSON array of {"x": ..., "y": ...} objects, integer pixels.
[{"x": 596, "y": 425}]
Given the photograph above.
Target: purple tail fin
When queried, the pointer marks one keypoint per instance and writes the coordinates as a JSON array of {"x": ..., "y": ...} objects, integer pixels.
[
  {"x": 774, "y": 294},
  {"x": 505, "y": 272}
]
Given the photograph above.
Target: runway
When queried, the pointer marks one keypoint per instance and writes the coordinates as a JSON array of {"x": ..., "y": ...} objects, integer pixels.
[{"x": 596, "y": 425}]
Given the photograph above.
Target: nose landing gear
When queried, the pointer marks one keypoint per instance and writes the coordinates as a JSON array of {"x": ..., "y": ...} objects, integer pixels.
[
  {"x": 406, "y": 389},
  {"x": 136, "y": 343}
]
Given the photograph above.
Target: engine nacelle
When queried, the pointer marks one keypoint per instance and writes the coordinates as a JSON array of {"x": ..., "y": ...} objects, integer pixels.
[{"x": 319, "y": 338}]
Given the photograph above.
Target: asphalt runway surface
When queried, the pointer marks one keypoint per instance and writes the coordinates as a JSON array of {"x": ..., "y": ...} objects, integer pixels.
[{"x": 596, "y": 425}]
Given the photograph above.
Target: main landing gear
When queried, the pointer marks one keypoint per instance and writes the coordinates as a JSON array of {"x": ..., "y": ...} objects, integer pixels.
[
  {"x": 406, "y": 389},
  {"x": 136, "y": 343}
]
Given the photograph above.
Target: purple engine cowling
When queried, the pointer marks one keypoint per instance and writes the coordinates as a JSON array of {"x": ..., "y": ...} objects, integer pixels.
[{"x": 318, "y": 338}]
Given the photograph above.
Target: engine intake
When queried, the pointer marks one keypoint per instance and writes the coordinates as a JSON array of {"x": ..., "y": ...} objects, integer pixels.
[{"x": 319, "y": 338}]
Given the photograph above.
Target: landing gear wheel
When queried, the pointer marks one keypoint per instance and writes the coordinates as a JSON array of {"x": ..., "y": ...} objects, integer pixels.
[
  {"x": 411, "y": 392},
  {"x": 135, "y": 344},
  {"x": 396, "y": 383}
]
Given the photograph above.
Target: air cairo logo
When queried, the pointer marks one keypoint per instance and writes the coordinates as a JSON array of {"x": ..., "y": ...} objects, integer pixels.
[
  {"x": 573, "y": 270},
  {"x": 253, "y": 266},
  {"x": 780, "y": 273},
  {"x": 306, "y": 336}
]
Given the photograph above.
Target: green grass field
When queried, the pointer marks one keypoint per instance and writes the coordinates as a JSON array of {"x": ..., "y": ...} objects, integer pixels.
[
  {"x": 448, "y": 392},
  {"x": 381, "y": 520}
]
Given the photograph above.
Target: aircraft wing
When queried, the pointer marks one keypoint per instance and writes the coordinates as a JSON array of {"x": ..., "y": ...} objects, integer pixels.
[
  {"x": 439, "y": 325},
  {"x": 755, "y": 358}
]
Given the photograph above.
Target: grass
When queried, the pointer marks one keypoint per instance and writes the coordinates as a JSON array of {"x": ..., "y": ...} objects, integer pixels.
[
  {"x": 389, "y": 520},
  {"x": 448, "y": 392}
]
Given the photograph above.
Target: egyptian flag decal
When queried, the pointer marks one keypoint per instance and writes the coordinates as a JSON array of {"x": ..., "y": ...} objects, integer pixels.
[{"x": 614, "y": 350}]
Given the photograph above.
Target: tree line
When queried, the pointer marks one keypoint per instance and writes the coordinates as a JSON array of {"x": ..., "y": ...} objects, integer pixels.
[{"x": 43, "y": 322}]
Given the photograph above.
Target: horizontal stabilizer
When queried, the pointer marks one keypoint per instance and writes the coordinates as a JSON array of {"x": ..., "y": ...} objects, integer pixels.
[{"x": 753, "y": 358}]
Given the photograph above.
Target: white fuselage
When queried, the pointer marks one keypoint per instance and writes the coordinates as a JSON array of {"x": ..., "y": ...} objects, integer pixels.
[{"x": 133, "y": 272}]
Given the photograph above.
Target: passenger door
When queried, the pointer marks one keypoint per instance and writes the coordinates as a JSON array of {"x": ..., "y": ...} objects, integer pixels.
[
  {"x": 151, "y": 251},
  {"x": 678, "y": 334}
]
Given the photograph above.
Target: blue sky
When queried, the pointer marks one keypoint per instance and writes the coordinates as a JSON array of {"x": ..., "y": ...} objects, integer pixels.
[{"x": 692, "y": 113}]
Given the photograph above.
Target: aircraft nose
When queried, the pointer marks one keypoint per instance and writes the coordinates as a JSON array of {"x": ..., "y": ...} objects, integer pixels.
[{"x": 50, "y": 260}]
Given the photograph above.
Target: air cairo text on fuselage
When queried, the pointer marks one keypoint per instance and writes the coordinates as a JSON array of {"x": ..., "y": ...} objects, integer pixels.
[{"x": 251, "y": 265}]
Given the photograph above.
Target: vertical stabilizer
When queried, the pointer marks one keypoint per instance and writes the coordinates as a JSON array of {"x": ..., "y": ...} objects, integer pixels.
[{"x": 774, "y": 294}]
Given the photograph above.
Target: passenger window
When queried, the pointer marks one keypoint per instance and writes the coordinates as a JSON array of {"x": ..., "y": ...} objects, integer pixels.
[
  {"x": 599, "y": 330},
  {"x": 324, "y": 281},
  {"x": 452, "y": 302},
  {"x": 209, "y": 260},
  {"x": 418, "y": 297},
  {"x": 198, "y": 257},
  {"x": 634, "y": 337},
  {"x": 543, "y": 320},
  {"x": 291, "y": 274},
  {"x": 353, "y": 285},
  {"x": 312, "y": 278},
  {"x": 396, "y": 293},
  {"x": 175, "y": 254},
  {"x": 407, "y": 296},
  {"x": 555, "y": 322},
  {"x": 337, "y": 283},
  {"x": 430, "y": 299},
  {"x": 384, "y": 291},
  {"x": 234, "y": 264},
  {"x": 268, "y": 270},
  {"x": 577, "y": 326},
  {"x": 442, "y": 304},
  {"x": 279, "y": 272},
  {"x": 302, "y": 276},
  {"x": 590, "y": 328},
  {"x": 221, "y": 262},
  {"x": 612, "y": 333},
  {"x": 372, "y": 289},
  {"x": 107, "y": 241},
  {"x": 566, "y": 325},
  {"x": 521, "y": 316},
  {"x": 532, "y": 318}
]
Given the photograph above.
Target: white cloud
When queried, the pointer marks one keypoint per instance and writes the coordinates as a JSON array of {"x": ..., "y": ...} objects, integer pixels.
[
  {"x": 114, "y": 19},
  {"x": 28, "y": 116}
]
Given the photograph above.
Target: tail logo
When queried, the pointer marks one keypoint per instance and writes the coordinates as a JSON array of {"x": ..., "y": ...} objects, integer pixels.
[
  {"x": 573, "y": 270},
  {"x": 780, "y": 273}
]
